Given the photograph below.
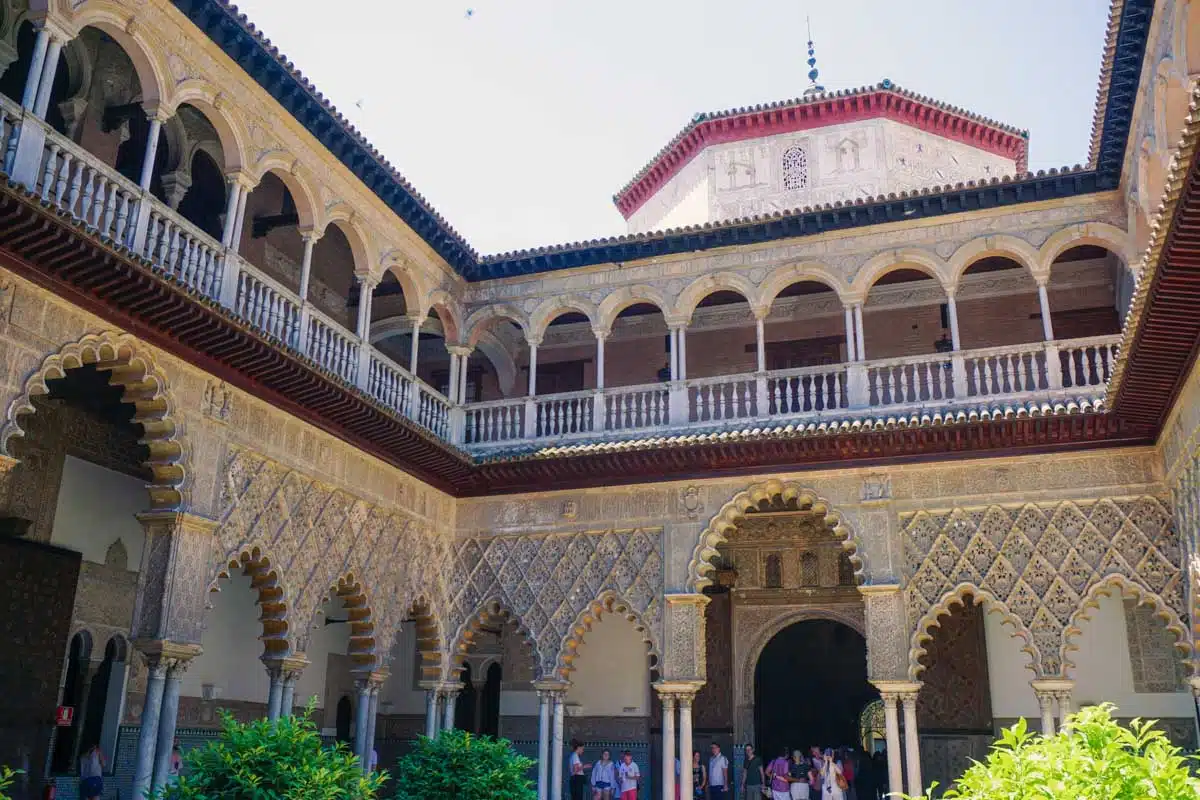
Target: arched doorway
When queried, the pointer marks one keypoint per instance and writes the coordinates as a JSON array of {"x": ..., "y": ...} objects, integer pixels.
[{"x": 810, "y": 687}]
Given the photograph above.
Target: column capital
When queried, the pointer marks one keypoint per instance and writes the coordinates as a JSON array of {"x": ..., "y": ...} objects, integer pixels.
[
  {"x": 551, "y": 689},
  {"x": 242, "y": 179},
  {"x": 461, "y": 350},
  {"x": 366, "y": 279},
  {"x": 601, "y": 334},
  {"x": 57, "y": 32},
  {"x": 760, "y": 312},
  {"x": 158, "y": 114},
  {"x": 171, "y": 656},
  {"x": 1053, "y": 685},
  {"x": 288, "y": 667},
  {"x": 533, "y": 341},
  {"x": 311, "y": 234},
  {"x": 897, "y": 690}
]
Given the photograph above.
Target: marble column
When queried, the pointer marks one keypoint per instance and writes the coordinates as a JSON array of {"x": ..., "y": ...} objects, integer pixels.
[
  {"x": 851, "y": 352},
  {"x": 236, "y": 189},
  {"x": 683, "y": 353},
  {"x": 556, "y": 747},
  {"x": 293, "y": 668},
  {"x": 448, "y": 712},
  {"x": 143, "y": 771},
  {"x": 545, "y": 698},
  {"x": 912, "y": 743},
  {"x": 415, "y": 348},
  {"x": 668, "y": 745},
  {"x": 685, "y": 745},
  {"x": 150, "y": 153},
  {"x": 35, "y": 68},
  {"x": 760, "y": 339},
  {"x": 891, "y": 724},
  {"x": 275, "y": 692},
  {"x": 362, "y": 711},
  {"x": 1046, "y": 704},
  {"x": 601, "y": 336},
  {"x": 533, "y": 348},
  {"x": 1044, "y": 304},
  {"x": 1063, "y": 696},
  {"x": 46, "y": 82},
  {"x": 431, "y": 713},
  {"x": 673, "y": 339},
  {"x": 952, "y": 313},
  {"x": 372, "y": 714},
  {"x": 861, "y": 348},
  {"x": 166, "y": 722}
]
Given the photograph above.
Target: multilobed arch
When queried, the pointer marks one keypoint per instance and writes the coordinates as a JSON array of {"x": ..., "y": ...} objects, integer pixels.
[
  {"x": 145, "y": 388},
  {"x": 267, "y": 583},
  {"x": 727, "y": 519},
  {"x": 491, "y": 611},
  {"x": 608, "y": 602},
  {"x": 959, "y": 596},
  {"x": 1122, "y": 586}
]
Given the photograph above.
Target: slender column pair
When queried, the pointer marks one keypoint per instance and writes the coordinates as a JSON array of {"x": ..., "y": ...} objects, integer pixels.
[
  {"x": 1050, "y": 693},
  {"x": 283, "y": 673},
  {"x": 671, "y": 697},
  {"x": 551, "y": 700},
  {"x": 677, "y": 338},
  {"x": 460, "y": 355},
  {"x": 903, "y": 694},
  {"x": 167, "y": 663},
  {"x": 47, "y": 48}
]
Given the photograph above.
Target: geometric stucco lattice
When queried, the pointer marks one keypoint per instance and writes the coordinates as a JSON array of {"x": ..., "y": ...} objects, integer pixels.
[
  {"x": 1041, "y": 566},
  {"x": 548, "y": 582},
  {"x": 319, "y": 537}
]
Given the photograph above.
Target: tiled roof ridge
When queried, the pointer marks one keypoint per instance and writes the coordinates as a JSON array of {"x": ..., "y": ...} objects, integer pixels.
[
  {"x": 883, "y": 421},
  {"x": 885, "y": 85},
  {"x": 1147, "y": 267},
  {"x": 1106, "y": 68},
  {"x": 628, "y": 238},
  {"x": 242, "y": 20}
]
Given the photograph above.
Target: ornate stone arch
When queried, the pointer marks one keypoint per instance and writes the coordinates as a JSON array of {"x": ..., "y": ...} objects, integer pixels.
[
  {"x": 358, "y": 239},
  {"x": 705, "y": 285},
  {"x": 551, "y": 309},
  {"x": 744, "y": 674},
  {"x": 285, "y": 167},
  {"x": 733, "y": 512},
  {"x": 493, "y": 608},
  {"x": 363, "y": 648},
  {"x": 892, "y": 260},
  {"x": 609, "y": 602},
  {"x": 1123, "y": 585},
  {"x": 623, "y": 298},
  {"x": 784, "y": 277},
  {"x": 145, "y": 388},
  {"x": 958, "y": 596},
  {"x": 1003, "y": 245},
  {"x": 266, "y": 580},
  {"x": 139, "y": 44},
  {"x": 206, "y": 99},
  {"x": 430, "y": 642},
  {"x": 1100, "y": 234},
  {"x": 481, "y": 318},
  {"x": 448, "y": 311}
]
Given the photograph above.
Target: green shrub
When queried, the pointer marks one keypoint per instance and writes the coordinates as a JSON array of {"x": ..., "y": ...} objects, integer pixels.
[
  {"x": 1093, "y": 757},
  {"x": 7, "y": 776},
  {"x": 461, "y": 766},
  {"x": 261, "y": 760}
]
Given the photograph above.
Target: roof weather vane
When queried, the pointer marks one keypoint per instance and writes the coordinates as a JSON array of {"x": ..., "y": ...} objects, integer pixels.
[{"x": 814, "y": 87}]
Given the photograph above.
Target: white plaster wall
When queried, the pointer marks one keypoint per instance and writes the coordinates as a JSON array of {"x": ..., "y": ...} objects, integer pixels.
[
  {"x": 1103, "y": 671},
  {"x": 232, "y": 647},
  {"x": 518, "y": 704},
  {"x": 612, "y": 676},
  {"x": 398, "y": 695},
  {"x": 325, "y": 639},
  {"x": 845, "y": 162},
  {"x": 1008, "y": 673},
  {"x": 96, "y": 506}
]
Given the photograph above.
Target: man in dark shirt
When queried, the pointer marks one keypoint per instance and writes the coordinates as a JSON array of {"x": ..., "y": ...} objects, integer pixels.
[{"x": 752, "y": 776}]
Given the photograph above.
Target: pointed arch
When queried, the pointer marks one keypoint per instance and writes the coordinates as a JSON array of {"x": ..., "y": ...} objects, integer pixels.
[
  {"x": 555, "y": 307},
  {"x": 727, "y": 519},
  {"x": 612, "y": 305},
  {"x": 786, "y": 276},
  {"x": 1122, "y": 585},
  {"x": 266, "y": 579},
  {"x": 958, "y": 596},
  {"x": 146, "y": 388},
  {"x": 1002, "y": 245},
  {"x": 481, "y": 318},
  {"x": 705, "y": 285},
  {"x": 890, "y": 261},
  {"x": 609, "y": 602}
]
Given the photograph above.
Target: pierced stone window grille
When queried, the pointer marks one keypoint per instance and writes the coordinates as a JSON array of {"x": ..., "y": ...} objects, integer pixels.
[
  {"x": 795, "y": 168},
  {"x": 809, "y": 575},
  {"x": 774, "y": 572}
]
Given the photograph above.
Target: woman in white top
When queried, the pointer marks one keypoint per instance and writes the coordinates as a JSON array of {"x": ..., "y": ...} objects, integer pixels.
[
  {"x": 604, "y": 777},
  {"x": 576, "y": 769},
  {"x": 830, "y": 772}
]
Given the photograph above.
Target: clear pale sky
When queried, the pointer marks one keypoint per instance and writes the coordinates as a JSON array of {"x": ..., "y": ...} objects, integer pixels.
[{"x": 520, "y": 121}]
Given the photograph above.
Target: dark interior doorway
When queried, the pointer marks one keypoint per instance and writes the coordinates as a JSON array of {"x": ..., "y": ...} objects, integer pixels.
[
  {"x": 810, "y": 685},
  {"x": 491, "y": 701}
]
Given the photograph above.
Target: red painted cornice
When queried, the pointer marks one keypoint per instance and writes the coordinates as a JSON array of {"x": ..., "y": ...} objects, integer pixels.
[{"x": 877, "y": 102}]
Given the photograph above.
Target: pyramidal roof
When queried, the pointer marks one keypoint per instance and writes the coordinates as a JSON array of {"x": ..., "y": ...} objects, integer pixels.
[{"x": 819, "y": 109}]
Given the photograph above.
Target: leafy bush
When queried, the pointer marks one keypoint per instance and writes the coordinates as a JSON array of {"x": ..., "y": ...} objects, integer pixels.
[
  {"x": 7, "y": 776},
  {"x": 1092, "y": 757},
  {"x": 461, "y": 766},
  {"x": 283, "y": 760}
]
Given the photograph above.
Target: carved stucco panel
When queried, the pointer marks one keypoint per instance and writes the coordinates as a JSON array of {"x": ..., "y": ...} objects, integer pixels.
[{"x": 887, "y": 634}]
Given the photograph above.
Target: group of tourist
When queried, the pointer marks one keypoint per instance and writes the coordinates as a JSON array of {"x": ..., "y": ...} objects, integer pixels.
[{"x": 608, "y": 780}]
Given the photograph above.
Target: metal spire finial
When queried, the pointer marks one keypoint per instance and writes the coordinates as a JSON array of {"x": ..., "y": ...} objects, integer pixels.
[{"x": 813, "y": 72}]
